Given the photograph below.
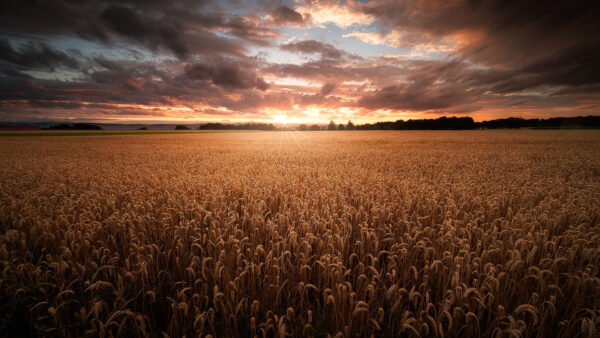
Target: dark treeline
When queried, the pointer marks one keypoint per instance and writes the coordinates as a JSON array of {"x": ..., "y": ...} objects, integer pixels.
[
  {"x": 304, "y": 127},
  {"x": 442, "y": 123},
  {"x": 579, "y": 122},
  {"x": 466, "y": 123},
  {"x": 74, "y": 126},
  {"x": 246, "y": 126}
]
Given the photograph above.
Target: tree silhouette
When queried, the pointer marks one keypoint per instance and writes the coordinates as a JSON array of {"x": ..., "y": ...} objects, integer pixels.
[{"x": 74, "y": 126}]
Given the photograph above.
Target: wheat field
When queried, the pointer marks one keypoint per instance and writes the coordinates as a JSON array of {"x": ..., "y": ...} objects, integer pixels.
[{"x": 279, "y": 234}]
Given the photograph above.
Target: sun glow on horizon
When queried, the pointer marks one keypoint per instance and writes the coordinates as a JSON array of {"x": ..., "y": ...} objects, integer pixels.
[{"x": 281, "y": 119}]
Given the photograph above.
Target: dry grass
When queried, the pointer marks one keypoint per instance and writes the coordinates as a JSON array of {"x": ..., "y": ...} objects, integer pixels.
[{"x": 302, "y": 234}]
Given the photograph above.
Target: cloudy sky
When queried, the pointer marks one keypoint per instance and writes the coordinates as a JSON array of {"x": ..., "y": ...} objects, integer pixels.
[{"x": 297, "y": 61}]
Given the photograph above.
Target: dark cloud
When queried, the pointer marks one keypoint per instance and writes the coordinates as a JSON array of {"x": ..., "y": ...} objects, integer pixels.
[
  {"x": 428, "y": 85},
  {"x": 129, "y": 78},
  {"x": 415, "y": 97},
  {"x": 183, "y": 28},
  {"x": 50, "y": 17},
  {"x": 312, "y": 46},
  {"x": 320, "y": 70},
  {"x": 34, "y": 55},
  {"x": 111, "y": 82},
  {"x": 249, "y": 30},
  {"x": 252, "y": 101},
  {"x": 458, "y": 86},
  {"x": 125, "y": 21},
  {"x": 327, "y": 88},
  {"x": 154, "y": 33},
  {"x": 283, "y": 15},
  {"x": 208, "y": 43},
  {"x": 575, "y": 65},
  {"x": 226, "y": 73},
  {"x": 326, "y": 70},
  {"x": 496, "y": 32}
]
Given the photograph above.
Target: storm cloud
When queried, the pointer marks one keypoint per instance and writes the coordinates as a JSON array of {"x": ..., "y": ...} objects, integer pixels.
[{"x": 201, "y": 59}]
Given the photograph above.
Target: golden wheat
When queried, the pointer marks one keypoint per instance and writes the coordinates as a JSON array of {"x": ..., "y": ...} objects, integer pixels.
[{"x": 277, "y": 234}]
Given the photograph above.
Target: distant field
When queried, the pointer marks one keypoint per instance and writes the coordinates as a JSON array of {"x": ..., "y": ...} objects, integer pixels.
[
  {"x": 111, "y": 132},
  {"x": 350, "y": 234}
]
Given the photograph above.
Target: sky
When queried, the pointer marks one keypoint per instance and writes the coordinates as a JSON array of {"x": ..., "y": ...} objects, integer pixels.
[{"x": 296, "y": 61}]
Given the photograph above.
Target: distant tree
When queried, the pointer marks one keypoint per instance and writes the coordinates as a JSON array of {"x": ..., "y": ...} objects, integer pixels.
[
  {"x": 315, "y": 127},
  {"x": 442, "y": 123},
  {"x": 212, "y": 126},
  {"x": 341, "y": 127},
  {"x": 245, "y": 126},
  {"x": 86, "y": 126},
  {"x": 576, "y": 122},
  {"x": 74, "y": 126},
  {"x": 142, "y": 128},
  {"x": 331, "y": 126},
  {"x": 180, "y": 127},
  {"x": 350, "y": 125}
]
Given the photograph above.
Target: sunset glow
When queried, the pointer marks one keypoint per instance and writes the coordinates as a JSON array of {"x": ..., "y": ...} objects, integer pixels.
[{"x": 292, "y": 62}]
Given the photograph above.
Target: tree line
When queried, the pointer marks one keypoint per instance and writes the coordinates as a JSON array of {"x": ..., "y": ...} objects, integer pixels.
[
  {"x": 467, "y": 123},
  {"x": 442, "y": 123},
  {"x": 73, "y": 126},
  {"x": 246, "y": 126}
]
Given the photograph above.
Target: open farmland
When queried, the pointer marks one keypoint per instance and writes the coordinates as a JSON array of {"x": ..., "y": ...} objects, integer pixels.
[{"x": 301, "y": 233}]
